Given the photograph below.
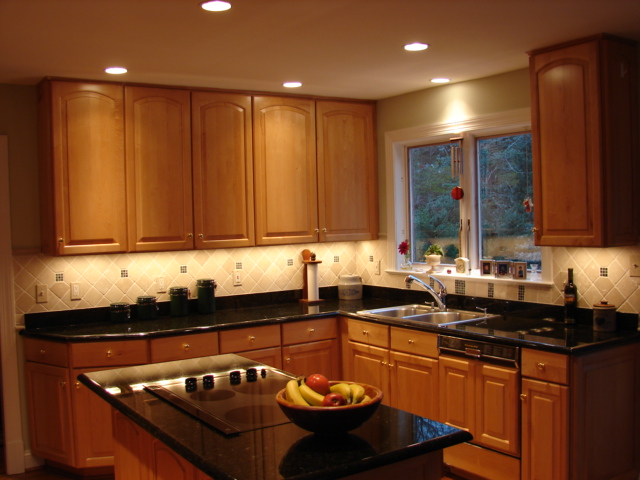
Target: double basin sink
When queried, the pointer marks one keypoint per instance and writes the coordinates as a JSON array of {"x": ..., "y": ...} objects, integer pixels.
[{"x": 426, "y": 314}]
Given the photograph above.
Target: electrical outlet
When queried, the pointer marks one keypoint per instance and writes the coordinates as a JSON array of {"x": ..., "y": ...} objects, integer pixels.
[
  {"x": 376, "y": 267},
  {"x": 75, "y": 291},
  {"x": 42, "y": 294},
  {"x": 160, "y": 286},
  {"x": 634, "y": 269},
  {"x": 237, "y": 278}
]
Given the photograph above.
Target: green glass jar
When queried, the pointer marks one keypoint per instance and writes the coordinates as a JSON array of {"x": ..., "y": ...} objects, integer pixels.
[
  {"x": 147, "y": 307},
  {"x": 206, "y": 295},
  {"x": 120, "y": 312},
  {"x": 179, "y": 301}
]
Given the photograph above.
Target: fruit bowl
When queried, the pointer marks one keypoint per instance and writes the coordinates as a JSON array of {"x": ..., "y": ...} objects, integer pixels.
[{"x": 331, "y": 420}]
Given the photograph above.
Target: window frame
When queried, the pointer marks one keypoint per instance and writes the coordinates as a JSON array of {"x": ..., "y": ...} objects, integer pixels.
[{"x": 398, "y": 142}]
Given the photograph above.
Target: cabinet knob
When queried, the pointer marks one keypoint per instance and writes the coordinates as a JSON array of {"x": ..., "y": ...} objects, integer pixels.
[
  {"x": 410, "y": 341},
  {"x": 186, "y": 346},
  {"x": 540, "y": 366},
  {"x": 312, "y": 330},
  {"x": 365, "y": 332},
  {"x": 523, "y": 397},
  {"x": 534, "y": 230},
  {"x": 61, "y": 240},
  {"x": 77, "y": 384},
  {"x": 288, "y": 360},
  {"x": 317, "y": 230},
  {"x": 63, "y": 383},
  {"x": 201, "y": 235},
  {"x": 190, "y": 235},
  {"x": 43, "y": 352},
  {"x": 383, "y": 363},
  {"x": 252, "y": 338},
  {"x": 109, "y": 354},
  {"x": 324, "y": 230}
]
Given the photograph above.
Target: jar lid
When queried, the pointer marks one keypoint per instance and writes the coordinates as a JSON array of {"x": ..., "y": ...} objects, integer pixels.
[
  {"x": 604, "y": 305},
  {"x": 119, "y": 306},
  {"x": 178, "y": 291},
  {"x": 146, "y": 299},
  {"x": 206, "y": 282}
]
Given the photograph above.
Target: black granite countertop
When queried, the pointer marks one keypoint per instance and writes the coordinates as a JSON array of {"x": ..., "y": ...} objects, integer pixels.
[
  {"x": 280, "y": 452},
  {"x": 93, "y": 325}
]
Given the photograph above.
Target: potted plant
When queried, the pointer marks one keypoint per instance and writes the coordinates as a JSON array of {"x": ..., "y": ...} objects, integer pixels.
[{"x": 433, "y": 255}]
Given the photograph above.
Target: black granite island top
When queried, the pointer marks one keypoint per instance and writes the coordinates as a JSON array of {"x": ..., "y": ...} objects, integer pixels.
[{"x": 283, "y": 451}]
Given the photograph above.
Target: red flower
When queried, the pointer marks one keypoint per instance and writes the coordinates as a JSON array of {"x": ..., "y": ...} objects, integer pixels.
[{"x": 403, "y": 248}]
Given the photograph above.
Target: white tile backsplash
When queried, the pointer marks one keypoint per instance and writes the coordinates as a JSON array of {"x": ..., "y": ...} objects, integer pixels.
[{"x": 265, "y": 269}]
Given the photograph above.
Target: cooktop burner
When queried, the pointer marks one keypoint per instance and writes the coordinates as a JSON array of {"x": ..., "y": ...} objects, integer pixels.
[{"x": 232, "y": 401}]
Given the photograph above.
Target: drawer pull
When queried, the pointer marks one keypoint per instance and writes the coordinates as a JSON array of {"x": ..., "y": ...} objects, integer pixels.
[
  {"x": 109, "y": 354},
  {"x": 186, "y": 346},
  {"x": 541, "y": 366},
  {"x": 365, "y": 332},
  {"x": 252, "y": 338},
  {"x": 410, "y": 341},
  {"x": 312, "y": 330}
]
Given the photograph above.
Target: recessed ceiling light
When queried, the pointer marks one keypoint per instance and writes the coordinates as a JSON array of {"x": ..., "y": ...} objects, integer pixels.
[
  {"x": 440, "y": 80},
  {"x": 292, "y": 84},
  {"x": 116, "y": 70},
  {"x": 416, "y": 47},
  {"x": 216, "y": 6}
]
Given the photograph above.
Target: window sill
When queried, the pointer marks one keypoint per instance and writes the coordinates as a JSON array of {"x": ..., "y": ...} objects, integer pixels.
[{"x": 536, "y": 279}]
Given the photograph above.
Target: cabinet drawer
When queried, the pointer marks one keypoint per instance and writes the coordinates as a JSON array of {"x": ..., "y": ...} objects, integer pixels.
[
  {"x": 552, "y": 367},
  {"x": 251, "y": 338},
  {"x": 369, "y": 333},
  {"x": 414, "y": 342},
  {"x": 181, "y": 347},
  {"x": 105, "y": 354},
  {"x": 44, "y": 351},
  {"x": 309, "y": 331}
]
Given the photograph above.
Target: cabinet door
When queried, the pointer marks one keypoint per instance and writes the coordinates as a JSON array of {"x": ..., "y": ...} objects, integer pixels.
[
  {"x": 414, "y": 384},
  {"x": 50, "y": 412},
  {"x": 222, "y": 170},
  {"x": 347, "y": 172},
  {"x": 545, "y": 430},
  {"x": 497, "y": 408},
  {"x": 457, "y": 395},
  {"x": 313, "y": 357},
  {"x": 82, "y": 167},
  {"x": 286, "y": 196},
  {"x": 158, "y": 156},
  {"x": 370, "y": 365},
  {"x": 91, "y": 425},
  {"x": 268, "y": 356}
]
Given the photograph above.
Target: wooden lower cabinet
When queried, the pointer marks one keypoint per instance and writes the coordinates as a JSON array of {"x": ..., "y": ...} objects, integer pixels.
[
  {"x": 314, "y": 357},
  {"x": 139, "y": 455},
  {"x": 414, "y": 384},
  {"x": 545, "y": 428}
]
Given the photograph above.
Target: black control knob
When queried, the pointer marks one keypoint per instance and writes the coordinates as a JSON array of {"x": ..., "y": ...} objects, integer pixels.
[
  {"x": 207, "y": 382},
  {"x": 191, "y": 384},
  {"x": 263, "y": 372},
  {"x": 234, "y": 377},
  {"x": 252, "y": 375}
]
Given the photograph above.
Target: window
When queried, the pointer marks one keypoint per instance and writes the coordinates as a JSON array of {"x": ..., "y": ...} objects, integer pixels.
[{"x": 494, "y": 218}]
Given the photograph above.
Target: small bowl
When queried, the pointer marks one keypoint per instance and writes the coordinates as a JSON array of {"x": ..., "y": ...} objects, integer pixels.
[{"x": 331, "y": 420}]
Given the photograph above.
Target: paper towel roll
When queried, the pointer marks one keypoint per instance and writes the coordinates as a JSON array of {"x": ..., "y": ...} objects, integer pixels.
[{"x": 312, "y": 282}]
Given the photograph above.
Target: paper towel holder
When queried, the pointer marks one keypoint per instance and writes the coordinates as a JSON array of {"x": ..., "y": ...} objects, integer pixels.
[{"x": 308, "y": 258}]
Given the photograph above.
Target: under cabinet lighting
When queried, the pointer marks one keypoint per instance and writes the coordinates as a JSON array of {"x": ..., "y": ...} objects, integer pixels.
[
  {"x": 416, "y": 47},
  {"x": 292, "y": 84},
  {"x": 116, "y": 70},
  {"x": 215, "y": 6},
  {"x": 440, "y": 80}
]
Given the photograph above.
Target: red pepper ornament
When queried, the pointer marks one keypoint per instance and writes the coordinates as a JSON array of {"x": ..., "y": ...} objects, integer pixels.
[{"x": 457, "y": 193}]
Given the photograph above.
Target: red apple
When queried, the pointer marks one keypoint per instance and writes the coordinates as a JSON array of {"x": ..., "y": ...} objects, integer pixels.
[
  {"x": 333, "y": 399},
  {"x": 318, "y": 383}
]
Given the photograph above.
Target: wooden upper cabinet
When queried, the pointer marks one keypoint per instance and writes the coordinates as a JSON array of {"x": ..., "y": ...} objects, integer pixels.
[
  {"x": 285, "y": 170},
  {"x": 82, "y": 168},
  {"x": 222, "y": 170},
  {"x": 585, "y": 143},
  {"x": 347, "y": 171},
  {"x": 158, "y": 157}
]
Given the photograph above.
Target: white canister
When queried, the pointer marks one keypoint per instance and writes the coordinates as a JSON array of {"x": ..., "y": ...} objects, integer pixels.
[
  {"x": 604, "y": 317},
  {"x": 350, "y": 287}
]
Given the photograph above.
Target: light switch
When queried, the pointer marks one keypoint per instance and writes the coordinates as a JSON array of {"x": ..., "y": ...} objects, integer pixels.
[
  {"x": 42, "y": 294},
  {"x": 634, "y": 269}
]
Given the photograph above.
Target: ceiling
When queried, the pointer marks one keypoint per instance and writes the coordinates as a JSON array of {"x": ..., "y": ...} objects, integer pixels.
[{"x": 342, "y": 48}]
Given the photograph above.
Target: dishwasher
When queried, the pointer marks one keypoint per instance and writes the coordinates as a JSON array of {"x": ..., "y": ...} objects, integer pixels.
[{"x": 480, "y": 392}]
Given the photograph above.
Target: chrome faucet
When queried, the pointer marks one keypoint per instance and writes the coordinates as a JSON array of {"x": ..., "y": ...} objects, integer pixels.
[{"x": 440, "y": 298}]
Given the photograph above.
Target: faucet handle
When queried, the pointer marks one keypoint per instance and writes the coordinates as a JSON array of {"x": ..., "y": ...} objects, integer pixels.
[
  {"x": 483, "y": 310},
  {"x": 431, "y": 305}
]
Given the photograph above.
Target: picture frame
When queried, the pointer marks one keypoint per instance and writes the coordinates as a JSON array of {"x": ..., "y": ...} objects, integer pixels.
[
  {"x": 503, "y": 269},
  {"x": 486, "y": 268},
  {"x": 519, "y": 270}
]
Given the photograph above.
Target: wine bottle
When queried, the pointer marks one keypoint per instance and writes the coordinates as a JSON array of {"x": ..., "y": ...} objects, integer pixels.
[{"x": 570, "y": 299}]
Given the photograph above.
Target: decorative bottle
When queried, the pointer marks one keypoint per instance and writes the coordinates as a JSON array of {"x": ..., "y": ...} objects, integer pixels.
[{"x": 570, "y": 299}]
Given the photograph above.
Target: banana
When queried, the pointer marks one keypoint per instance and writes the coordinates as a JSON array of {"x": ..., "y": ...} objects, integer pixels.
[
  {"x": 366, "y": 399},
  {"x": 312, "y": 397},
  {"x": 293, "y": 393},
  {"x": 357, "y": 393},
  {"x": 343, "y": 389}
]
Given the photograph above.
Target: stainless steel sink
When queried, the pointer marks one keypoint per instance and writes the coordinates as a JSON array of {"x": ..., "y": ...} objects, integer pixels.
[{"x": 423, "y": 313}]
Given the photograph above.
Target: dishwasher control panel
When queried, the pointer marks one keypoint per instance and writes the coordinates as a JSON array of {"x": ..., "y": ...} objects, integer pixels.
[{"x": 485, "y": 351}]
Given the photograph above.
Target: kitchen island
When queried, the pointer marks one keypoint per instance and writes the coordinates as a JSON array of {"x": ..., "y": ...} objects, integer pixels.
[{"x": 390, "y": 441}]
